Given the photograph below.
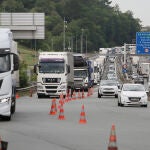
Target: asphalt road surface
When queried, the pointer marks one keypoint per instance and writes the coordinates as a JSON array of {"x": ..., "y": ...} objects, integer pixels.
[{"x": 32, "y": 128}]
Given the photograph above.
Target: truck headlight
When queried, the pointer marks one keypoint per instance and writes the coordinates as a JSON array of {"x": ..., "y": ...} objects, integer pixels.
[
  {"x": 63, "y": 87},
  {"x": 40, "y": 87},
  {"x": 5, "y": 100}
]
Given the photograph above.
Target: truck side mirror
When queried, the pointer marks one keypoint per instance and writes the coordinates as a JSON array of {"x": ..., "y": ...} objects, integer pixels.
[
  {"x": 35, "y": 68},
  {"x": 68, "y": 68},
  {"x": 16, "y": 62}
]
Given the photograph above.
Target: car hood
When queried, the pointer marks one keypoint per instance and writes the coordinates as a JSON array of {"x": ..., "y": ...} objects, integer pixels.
[
  {"x": 110, "y": 87},
  {"x": 134, "y": 93}
]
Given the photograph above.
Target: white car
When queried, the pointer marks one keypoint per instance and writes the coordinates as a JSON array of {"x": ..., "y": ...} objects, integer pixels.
[
  {"x": 108, "y": 88},
  {"x": 132, "y": 94}
]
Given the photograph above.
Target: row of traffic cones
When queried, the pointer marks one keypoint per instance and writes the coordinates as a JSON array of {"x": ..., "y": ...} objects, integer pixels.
[
  {"x": 53, "y": 111},
  {"x": 74, "y": 97},
  {"x": 112, "y": 139}
]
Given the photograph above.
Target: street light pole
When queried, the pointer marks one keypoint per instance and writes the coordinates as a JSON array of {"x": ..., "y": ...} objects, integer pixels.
[
  {"x": 64, "y": 42},
  {"x": 125, "y": 53},
  {"x": 82, "y": 41},
  {"x": 86, "y": 45}
]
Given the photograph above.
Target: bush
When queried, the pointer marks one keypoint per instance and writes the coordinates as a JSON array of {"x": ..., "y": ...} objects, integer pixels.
[{"x": 23, "y": 74}]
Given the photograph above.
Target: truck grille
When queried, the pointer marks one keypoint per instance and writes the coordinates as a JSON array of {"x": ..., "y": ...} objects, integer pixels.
[
  {"x": 51, "y": 91},
  {"x": 51, "y": 80},
  {"x": 51, "y": 87}
]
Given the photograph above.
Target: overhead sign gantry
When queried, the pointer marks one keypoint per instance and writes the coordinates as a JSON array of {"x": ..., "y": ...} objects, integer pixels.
[{"x": 24, "y": 25}]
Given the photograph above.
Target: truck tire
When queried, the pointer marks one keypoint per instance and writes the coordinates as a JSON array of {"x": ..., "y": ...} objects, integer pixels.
[
  {"x": 39, "y": 95},
  {"x": 13, "y": 107},
  {"x": 7, "y": 118}
]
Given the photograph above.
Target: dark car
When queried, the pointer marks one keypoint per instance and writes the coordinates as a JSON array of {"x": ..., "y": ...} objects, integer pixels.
[{"x": 139, "y": 79}]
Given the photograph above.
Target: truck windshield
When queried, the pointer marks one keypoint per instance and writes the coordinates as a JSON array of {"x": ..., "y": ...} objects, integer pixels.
[
  {"x": 80, "y": 73},
  {"x": 4, "y": 63},
  {"x": 51, "y": 67}
]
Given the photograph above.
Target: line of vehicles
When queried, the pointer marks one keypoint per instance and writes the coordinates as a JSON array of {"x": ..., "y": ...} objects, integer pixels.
[
  {"x": 63, "y": 72},
  {"x": 128, "y": 94},
  {"x": 57, "y": 73}
]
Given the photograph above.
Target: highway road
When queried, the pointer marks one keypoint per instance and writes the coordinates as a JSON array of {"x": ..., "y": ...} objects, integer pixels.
[{"x": 32, "y": 128}]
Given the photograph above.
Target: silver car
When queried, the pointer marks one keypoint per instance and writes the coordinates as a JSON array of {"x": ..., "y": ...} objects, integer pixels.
[{"x": 108, "y": 88}]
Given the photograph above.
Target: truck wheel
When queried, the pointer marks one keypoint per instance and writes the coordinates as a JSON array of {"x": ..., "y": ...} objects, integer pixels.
[
  {"x": 116, "y": 96},
  {"x": 39, "y": 95},
  {"x": 13, "y": 107},
  {"x": 99, "y": 95},
  {"x": 7, "y": 118}
]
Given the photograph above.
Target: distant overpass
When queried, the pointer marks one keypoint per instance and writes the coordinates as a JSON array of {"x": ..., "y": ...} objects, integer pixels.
[{"x": 24, "y": 25}]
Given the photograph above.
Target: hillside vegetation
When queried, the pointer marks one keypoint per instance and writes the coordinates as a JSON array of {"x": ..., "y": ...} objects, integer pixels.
[
  {"x": 29, "y": 56},
  {"x": 100, "y": 24}
]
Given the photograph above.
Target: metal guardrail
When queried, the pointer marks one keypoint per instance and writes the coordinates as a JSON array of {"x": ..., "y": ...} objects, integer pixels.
[{"x": 27, "y": 91}]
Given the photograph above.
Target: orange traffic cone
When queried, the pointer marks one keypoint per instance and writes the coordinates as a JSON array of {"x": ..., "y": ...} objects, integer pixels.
[
  {"x": 74, "y": 95},
  {"x": 31, "y": 92},
  {"x": 79, "y": 95},
  {"x": 83, "y": 94},
  {"x": 53, "y": 110},
  {"x": 82, "y": 116},
  {"x": 61, "y": 113},
  {"x": 17, "y": 95},
  {"x": 112, "y": 140},
  {"x": 88, "y": 92}
]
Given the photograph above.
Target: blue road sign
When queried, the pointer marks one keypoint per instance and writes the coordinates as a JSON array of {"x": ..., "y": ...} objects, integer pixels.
[{"x": 143, "y": 43}]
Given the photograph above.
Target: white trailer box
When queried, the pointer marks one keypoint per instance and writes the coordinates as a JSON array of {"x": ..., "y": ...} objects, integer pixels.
[{"x": 54, "y": 73}]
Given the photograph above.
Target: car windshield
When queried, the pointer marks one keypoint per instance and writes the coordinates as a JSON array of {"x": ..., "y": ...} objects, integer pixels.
[
  {"x": 108, "y": 84},
  {"x": 133, "y": 88}
]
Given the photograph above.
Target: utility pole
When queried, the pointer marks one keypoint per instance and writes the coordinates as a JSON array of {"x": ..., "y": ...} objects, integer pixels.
[
  {"x": 64, "y": 42},
  {"x": 125, "y": 53},
  {"x": 86, "y": 45},
  {"x": 82, "y": 41}
]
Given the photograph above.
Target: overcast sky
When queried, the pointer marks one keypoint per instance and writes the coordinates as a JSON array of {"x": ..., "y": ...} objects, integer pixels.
[{"x": 140, "y": 9}]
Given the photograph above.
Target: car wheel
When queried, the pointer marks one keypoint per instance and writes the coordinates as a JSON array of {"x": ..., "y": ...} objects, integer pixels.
[
  {"x": 121, "y": 104},
  {"x": 99, "y": 95},
  {"x": 7, "y": 118},
  {"x": 13, "y": 107},
  {"x": 116, "y": 95},
  {"x": 39, "y": 95},
  {"x": 144, "y": 105}
]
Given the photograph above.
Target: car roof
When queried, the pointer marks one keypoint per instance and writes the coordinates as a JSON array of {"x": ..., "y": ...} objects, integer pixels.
[{"x": 132, "y": 84}]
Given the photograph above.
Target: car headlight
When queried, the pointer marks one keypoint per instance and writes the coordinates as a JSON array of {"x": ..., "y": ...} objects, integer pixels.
[
  {"x": 124, "y": 96},
  {"x": 145, "y": 95},
  {"x": 5, "y": 100}
]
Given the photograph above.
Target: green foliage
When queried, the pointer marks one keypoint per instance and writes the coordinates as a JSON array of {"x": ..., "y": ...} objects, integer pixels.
[
  {"x": 104, "y": 25},
  {"x": 23, "y": 78}
]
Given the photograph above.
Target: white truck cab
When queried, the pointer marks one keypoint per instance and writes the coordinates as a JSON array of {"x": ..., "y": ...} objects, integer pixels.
[
  {"x": 54, "y": 73},
  {"x": 9, "y": 63}
]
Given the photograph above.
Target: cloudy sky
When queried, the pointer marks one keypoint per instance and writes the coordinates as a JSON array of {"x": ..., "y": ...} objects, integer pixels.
[{"x": 140, "y": 9}]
